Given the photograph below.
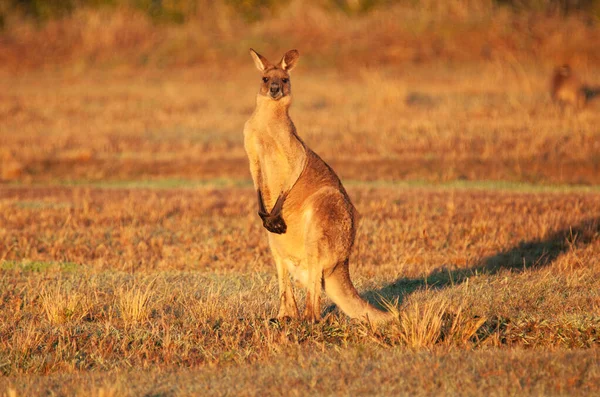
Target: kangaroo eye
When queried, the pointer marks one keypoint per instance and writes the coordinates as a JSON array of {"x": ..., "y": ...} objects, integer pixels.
[
  {"x": 285, "y": 80},
  {"x": 265, "y": 79}
]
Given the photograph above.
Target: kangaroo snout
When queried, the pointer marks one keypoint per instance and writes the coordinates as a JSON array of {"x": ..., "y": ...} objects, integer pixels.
[{"x": 274, "y": 89}]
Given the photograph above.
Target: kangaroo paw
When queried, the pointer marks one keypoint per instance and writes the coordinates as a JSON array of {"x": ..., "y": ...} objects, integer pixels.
[{"x": 275, "y": 224}]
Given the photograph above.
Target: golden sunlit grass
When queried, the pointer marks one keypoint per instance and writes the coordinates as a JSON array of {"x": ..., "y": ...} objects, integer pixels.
[
  {"x": 62, "y": 305},
  {"x": 480, "y": 122},
  {"x": 422, "y": 326},
  {"x": 469, "y": 271},
  {"x": 425, "y": 325},
  {"x": 132, "y": 303}
]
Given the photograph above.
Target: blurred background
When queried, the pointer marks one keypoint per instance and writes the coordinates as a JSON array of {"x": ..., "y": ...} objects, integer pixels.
[
  {"x": 130, "y": 90},
  {"x": 179, "y": 33}
]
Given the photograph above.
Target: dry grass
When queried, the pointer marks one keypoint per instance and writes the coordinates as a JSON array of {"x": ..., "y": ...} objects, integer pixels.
[
  {"x": 144, "y": 230},
  {"x": 61, "y": 306},
  {"x": 481, "y": 122},
  {"x": 181, "y": 280},
  {"x": 376, "y": 371},
  {"x": 425, "y": 325},
  {"x": 133, "y": 303}
]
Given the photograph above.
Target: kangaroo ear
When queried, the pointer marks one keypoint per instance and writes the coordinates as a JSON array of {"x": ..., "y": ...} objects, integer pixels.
[
  {"x": 289, "y": 60},
  {"x": 261, "y": 62}
]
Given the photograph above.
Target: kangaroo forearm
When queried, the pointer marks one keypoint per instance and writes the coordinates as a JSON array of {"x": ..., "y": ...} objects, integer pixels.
[
  {"x": 262, "y": 208},
  {"x": 261, "y": 204},
  {"x": 279, "y": 203}
]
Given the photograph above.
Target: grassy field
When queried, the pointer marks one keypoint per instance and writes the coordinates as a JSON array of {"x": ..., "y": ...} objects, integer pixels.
[
  {"x": 433, "y": 123},
  {"x": 128, "y": 291},
  {"x": 132, "y": 260}
]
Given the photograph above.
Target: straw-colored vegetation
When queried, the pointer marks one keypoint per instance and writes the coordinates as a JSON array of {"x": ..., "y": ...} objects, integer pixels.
[
  {"x": 132, "y": 261},
  {"x": 167, "y": 279}
]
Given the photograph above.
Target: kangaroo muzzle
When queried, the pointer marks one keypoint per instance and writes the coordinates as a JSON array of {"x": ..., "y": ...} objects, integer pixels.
[{"x": 274, "y": 90}]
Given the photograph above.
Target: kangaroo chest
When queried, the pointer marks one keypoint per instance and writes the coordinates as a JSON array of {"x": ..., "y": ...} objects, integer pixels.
[
  {"x": 279, "y": 157},
  {"x": 275, "y": 163}
]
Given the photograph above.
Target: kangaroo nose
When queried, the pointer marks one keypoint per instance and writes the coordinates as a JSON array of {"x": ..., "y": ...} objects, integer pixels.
[{"x": 274, "y": 88}]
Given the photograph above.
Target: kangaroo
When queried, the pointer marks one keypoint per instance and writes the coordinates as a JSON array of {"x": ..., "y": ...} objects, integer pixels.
[
  {"x": 566, "y": 89},
  {"x": 310, "y": 220}
]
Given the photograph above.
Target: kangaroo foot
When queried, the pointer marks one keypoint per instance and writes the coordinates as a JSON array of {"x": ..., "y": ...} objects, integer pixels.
[
  {"x": 310, "y": 316},
  {"x": 281, "y": 320}
]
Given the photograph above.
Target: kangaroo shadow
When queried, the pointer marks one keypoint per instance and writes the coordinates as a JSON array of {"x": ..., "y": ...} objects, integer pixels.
[{"x": 533, "y": 254}]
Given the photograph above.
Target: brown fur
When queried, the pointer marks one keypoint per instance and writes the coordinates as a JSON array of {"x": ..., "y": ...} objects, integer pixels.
[
  {"x": 319, "y": 216},
  {"x": 567, "y": 90}
]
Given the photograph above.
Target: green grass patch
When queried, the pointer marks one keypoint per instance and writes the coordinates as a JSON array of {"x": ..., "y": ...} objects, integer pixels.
[
  {"x": 524, "y": 187},
  {"x": 182, "y": 183},
  {"x": 39, "y": 266},
  {"x": 36, "y": 204},
  {"x": 164, "y": 183}
]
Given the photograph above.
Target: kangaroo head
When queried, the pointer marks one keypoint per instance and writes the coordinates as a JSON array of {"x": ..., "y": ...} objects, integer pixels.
[
  {"x": 275, "y": 83},
  {"x": 564, "y": 70}
]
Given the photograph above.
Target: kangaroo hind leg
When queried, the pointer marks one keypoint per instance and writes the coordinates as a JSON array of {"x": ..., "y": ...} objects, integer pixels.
[
  {"x": 316, "y": 262},
  {"x": 328, "y": 238},
  {"x": 287, "y": 303}
]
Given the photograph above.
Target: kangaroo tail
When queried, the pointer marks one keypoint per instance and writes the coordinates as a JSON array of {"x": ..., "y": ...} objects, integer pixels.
[{"x": 342, "y": 292}]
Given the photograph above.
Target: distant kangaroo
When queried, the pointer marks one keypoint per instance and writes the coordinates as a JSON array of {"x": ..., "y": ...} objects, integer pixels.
[
  {"x": 302, "y": 203},
  {"x": 566, "y": 89}
]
